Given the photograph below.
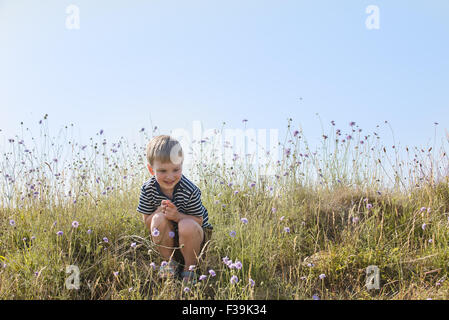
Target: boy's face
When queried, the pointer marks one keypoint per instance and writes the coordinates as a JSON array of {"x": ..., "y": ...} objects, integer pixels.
[{"x": 167, "y": 174}]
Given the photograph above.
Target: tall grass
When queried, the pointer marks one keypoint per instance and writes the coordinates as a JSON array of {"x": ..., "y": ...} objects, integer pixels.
[{"x": 332, "y": 210}]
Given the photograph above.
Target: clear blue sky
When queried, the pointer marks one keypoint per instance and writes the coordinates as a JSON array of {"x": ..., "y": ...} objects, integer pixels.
[{"x": 215, "y": 61}]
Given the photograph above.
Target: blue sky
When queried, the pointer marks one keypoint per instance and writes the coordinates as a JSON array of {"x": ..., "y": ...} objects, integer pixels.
[{"x": 223, "y": 61}]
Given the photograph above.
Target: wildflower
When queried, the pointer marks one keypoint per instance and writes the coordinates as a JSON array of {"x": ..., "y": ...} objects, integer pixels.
[
  {"x": 424, "y": 226},
  {"x": 115, "y": 273},
  {"x": 155, "y": 232},
  {"x": 423, "y": 209},
  {"x": 33, "y": 237},
  {"x": 192, "y": 267},
  {"x": 315, "y": 297},
  {"x": 153, "y": 265},
  {"x": 164, "y": 263},
  {"x": 133, "y": 245},
  {"x": 202, "y": 277},
  {"x": 238, "y": 265},
  {"x": 251, "y": 282},
  {"x": 59, "y": 233},
  {"x": 295, "y": 133},
  {"x": 171, "y": 234},
  {"x": 36, "y": 273},
  {"x": 89, "y": 231},
  {"x": 12, "y": 222},
  {"x": 75, "y": 224},
  {"x": 235, "y": 192},
  {"x": 101, "y": 131},
  {"x": 310, "y": 265},
  {"x": 225, "y": 260},
  {"x": 430, "y": 240},
  {"x": 105, "y": 239},
  {"x": 252, "y": 185},
  {"x": 322, "y": 276},
  {"x": 352, "y": 123},
  {"x": 245, "y": 120},
  {"x": 287, "y": 229},
  {"x": 232, "y": 233},
  {"x": 273, "y": 209},
  {"x": 234, "y": 279},
  {"x": 355, "y": 219},
  {"x": 281, "y": 218},
  {"x": 369, "y": 206},
  {"x": 186, "y": 289},
  {"x": 212, "y": 273},
  {"x": 244, "y": 220},
  {"x": 303, "y": 278}
]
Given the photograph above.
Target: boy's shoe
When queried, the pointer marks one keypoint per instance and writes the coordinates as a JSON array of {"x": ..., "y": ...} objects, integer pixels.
[
  {"x": 189, "y": 276},
  {"x": 169, "y": 270}
]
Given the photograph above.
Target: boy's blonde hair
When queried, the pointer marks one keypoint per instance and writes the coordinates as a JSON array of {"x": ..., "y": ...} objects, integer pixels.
[{"x": 164, "y": 149}]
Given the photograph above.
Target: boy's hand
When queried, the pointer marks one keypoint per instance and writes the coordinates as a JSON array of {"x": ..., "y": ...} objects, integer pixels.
[{"x": 170, "y": 210}]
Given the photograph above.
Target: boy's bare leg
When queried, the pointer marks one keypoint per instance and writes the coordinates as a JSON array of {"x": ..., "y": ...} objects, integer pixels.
[
  {"x": 190, "y": 237},
  {"x": 157, "y": 220}
]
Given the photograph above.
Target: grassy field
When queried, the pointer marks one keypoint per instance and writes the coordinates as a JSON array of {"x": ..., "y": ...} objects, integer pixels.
[{"x": 309, "y": 232}]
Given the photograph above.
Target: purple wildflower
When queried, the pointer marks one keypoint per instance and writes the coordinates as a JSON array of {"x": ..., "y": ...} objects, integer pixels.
[
  {"x": 155, "y": 232},
  {"x": 171, "y": 234},
  {"x": 234, "y": 279},
  {"x": 232, "y": 233},
  {"x": 75, "y": 224},
  {"x": 59, "y": 233},
  {"x": 212, "y": 273},
  {"x": 244, "y": 220},
  {"x": 133, "y": 245},
  {"x": 105, "y": 239},
  {"x": 322, "y": 276},
  {"x": 251, "y": 282}
]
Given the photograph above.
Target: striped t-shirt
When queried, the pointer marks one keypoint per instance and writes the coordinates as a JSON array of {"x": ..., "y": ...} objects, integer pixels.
[{"x": 186, "y": 198}]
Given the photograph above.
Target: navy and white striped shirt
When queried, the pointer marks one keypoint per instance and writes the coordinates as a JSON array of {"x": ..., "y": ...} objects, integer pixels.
[{"x": 186, "y": 198}]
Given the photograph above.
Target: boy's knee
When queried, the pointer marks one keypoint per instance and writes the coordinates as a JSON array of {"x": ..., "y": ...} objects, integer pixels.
[
  {"x": 189, "y": 228},
  {"x": 159, "y": 221}
]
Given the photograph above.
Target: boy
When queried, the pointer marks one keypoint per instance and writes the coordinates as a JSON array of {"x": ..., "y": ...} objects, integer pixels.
[{"x": 172, "y": 208}]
